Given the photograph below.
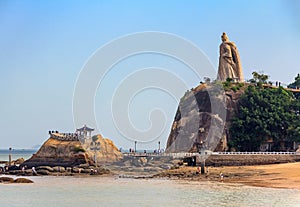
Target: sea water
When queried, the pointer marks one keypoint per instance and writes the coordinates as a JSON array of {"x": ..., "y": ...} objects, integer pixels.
[
  {"x": 110, "y": 191},
  {"x": 16, "y": 153}
]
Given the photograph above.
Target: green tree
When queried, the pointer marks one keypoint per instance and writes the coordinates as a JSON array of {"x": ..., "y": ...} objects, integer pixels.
[
  {"x": 95, "y": 138},
  {"x": 264, "y": 114},
  {"x": 296, "y": 83},
  {"x": 259, "y": 79},
  {"x": 294, "y": 127}
]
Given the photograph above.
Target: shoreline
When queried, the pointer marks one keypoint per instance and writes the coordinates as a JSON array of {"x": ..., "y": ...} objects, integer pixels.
[{"x": 286, "y": 175}]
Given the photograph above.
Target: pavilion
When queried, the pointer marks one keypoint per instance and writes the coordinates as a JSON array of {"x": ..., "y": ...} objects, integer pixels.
[{"x": 84, "y": 132}]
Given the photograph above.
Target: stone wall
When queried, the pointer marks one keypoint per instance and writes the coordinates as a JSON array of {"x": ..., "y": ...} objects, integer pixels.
[{"x": 237, "y": 160}]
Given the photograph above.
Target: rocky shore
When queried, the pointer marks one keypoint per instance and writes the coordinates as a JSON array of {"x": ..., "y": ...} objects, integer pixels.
[
  {"x": 11, "y": 180},
  {"x": 58, "y": 171},
  {"x": 273, "y": 175}
]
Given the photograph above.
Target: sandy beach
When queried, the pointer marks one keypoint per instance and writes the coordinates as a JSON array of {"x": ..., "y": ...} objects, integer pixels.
[{"x": 274, "y": 176}]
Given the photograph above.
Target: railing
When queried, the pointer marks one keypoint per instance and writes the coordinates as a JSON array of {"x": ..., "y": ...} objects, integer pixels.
[
  {"x": 256, "y": 153},
  {"x": 164, "y": 154},
  {"x": 65, "y": 136},
  {"x": 182, "y": 154}
]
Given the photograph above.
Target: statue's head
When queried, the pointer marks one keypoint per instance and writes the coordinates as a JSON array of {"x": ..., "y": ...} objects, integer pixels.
[{"x": 224, "y": 37}]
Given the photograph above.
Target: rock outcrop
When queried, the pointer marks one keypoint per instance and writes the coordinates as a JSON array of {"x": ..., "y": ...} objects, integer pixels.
[
  {"x": 142, "y": 165},
  {"x": 56, "y": 152},
  {"x": 71, "y": 153},
  {"x": 108, "y": 152},
  {"x": 202, "y": 119},
  {"x": 11, "y": 180}
]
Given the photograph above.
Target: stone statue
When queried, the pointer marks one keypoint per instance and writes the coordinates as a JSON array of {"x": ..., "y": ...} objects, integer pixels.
[{"x": 229, "y": 61}]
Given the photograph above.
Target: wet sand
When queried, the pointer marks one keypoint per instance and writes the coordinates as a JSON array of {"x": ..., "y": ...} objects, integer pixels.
[{"x": 274, "y": 176}]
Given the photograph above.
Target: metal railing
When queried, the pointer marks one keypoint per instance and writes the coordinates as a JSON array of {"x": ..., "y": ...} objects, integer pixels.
[
  {"x": 256, "y": 153},
  {"x": 183, "y": 154}
]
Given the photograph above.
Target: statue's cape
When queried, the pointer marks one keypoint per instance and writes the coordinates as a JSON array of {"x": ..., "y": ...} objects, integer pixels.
[{"x": 236, "y": 59}]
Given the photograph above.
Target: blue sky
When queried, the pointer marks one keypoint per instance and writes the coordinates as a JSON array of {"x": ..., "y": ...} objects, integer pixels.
[{"x": 45, "y": 44}]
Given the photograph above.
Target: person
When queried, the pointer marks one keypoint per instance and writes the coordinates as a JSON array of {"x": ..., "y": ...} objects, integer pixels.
[
  {"x": 221, "y": 177},
  {"x": 33, "y": 171},
  {"x": 229, "y": 61}
]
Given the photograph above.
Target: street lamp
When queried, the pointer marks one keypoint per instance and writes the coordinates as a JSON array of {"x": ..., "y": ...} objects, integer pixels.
[
  {"x": 9, "y": 157},
  {"x": 158, "y": 146},
  {"x": 201, "y": 149},
  {"x": 95, "y": 146}
]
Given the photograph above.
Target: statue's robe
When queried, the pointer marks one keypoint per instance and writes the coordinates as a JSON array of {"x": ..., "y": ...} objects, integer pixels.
[{"x": 229, "y": 63}]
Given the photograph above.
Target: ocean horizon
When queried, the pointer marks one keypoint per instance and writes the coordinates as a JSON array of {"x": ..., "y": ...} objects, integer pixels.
[{"x": 16, "y": 153}]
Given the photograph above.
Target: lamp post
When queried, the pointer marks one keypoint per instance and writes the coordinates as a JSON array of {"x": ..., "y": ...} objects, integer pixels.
[
  {"x": 9, "y": 157},
  {"x": 201, "y": 150},
  {"x": 95, "y": 146},
  {"x": 158, "y": 146}
]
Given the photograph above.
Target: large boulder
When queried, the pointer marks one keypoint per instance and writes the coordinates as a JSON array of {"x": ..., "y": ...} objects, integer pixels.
[
  {"x": 11, "y": 180},
  {"x": 70, "y": 153},
  {"x": 22, "y": 180},
  {"x": 107, "y": 153},
  {"x": 196, "y": 121},
  {"x": 6, "y": 180},
  {"x": 56, "y": 152}
]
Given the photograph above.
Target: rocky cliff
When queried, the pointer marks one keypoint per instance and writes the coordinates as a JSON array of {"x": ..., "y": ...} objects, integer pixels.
[{"x": 202, "y": 119}]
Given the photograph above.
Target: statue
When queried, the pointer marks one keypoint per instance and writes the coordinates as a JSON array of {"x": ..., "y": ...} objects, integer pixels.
[{"x": 229, "y": 61}]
